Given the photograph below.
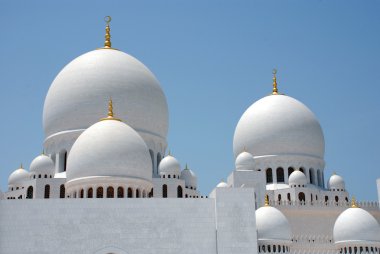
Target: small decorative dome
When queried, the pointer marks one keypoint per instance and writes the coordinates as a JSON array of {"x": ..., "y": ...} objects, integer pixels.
[
  {"x": 272, "y": 224},
  {"x": 245, "y": 161},
  {"x": 356, "y": 224},
  {"x": 336, "y": 182},
  {"x": 169, "y": 166},
  {"x": 18, "y": 177},
  {"x": 109, "y": 148},
  {"x": 297, "y": 178},
  {"x": 189, "y": 176},
  {"x": 222, "y": 184},
  {"x": 42, "y": 164}
]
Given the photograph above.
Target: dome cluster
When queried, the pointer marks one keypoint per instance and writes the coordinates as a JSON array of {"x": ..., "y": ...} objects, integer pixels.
[{"x": 170, "y": 167}]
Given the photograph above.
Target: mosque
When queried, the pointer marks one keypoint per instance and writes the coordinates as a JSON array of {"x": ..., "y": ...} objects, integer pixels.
[{"x": 106, "y": 184}]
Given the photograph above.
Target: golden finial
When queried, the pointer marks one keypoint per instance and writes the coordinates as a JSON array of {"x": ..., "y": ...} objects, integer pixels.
[
  {"x": 266, "y": 202},
  {"x": 43, "y": 152},
  {"x": 107, "y": 42},
  {"x": 169, "y": 153},
  {"x": 245, "y": 149},
  {"x": 110, "y": 112},
  {"x": 353, "y": 202},
  {"x": 21, "y": 165},
  {"x": 275, "y": 90},
  {"x": 334, "y": 173}
]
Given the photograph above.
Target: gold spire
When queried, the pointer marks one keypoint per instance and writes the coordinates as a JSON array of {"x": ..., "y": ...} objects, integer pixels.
[
  {"x": 169, "y": 153},
  {"x": 186, "y": 166},
  {"x": 21, "y": 165},
  {"x": 275, "y": 90},
  {"x": 334, "y": 173},
  {"x": 353, "y": 203},
  {"x": 110, "y": 112},
  {"x": 266, "y": 202},
  {"x": 107, "y": 42}
]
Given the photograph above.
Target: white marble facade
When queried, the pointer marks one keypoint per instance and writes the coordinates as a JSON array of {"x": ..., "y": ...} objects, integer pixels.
[{"x": 105, "y": 184}]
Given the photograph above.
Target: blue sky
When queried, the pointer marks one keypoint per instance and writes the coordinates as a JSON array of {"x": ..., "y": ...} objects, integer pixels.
[{"x": 213, "y": 60}]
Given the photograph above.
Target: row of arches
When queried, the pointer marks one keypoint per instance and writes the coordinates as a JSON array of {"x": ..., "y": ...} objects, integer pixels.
[
  {"x": 273, "y": 248},
  {"x": 316, "y": 177},
  {"x": 359, "y": 250},
  {"x": 302, "y": 198},
  {"x": 40, "y": 176},
  {"x": 170, "y": 176},
  {"x": 111, "y": 192}
]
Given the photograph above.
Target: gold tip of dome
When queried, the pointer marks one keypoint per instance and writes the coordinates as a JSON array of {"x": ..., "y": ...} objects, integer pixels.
[
  {"x": 266, "y": 202},
  {"x": 107, "y": 42},
  {"x": 110, "y": 112},
  {"x": 274, "y": 90},
  {"x": 353, "y": 203}
]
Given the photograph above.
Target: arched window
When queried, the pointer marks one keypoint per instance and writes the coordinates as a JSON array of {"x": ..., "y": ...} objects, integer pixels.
[
  {"x": 151, "y": 193},
  {"x": 47, "y": 191},
  {"x": 120, "y": 192},
  {"x": 301, "y": 197},
  {"x": 164, "y": 191},
  {"x": 110, "y": 192},
  {"x": 90, "y": 193},
  {"x": 279, "y": 197},
  {"x": 302, "y": 170},
  {"x": 64, "y": 161},
  {"x": 311, "y": 197},
  {"x": 274, "y": 248},
  {"x": 168, "y": 176},
  {"x": 81, "y": 193},
  {"x": 99, "y": 192},
  {"x": 280, "y": 175},
  {"x": 137, "y": 193},
  {"x": 45, "y": 176},
  {"x": 159, "y": 157},
  {"x": 269, "y": 175},
  {"x": 289, "y": 199},
  {"x": 130, "y": 192},
  {"x": 152, "y": 158},
  {"x": 336, "y": 199},
  {"x": 290, "y": 170},
  {"x": 39, "y": 176},
  {"x": 326, "y": 199},
  {"x": 186, "y": 196},
  {"x": 179, "y": 191},
  {"x": 319, "y": 178},
  {"x": 29, "y": 192},
  {"x": 311, "y": 175}
]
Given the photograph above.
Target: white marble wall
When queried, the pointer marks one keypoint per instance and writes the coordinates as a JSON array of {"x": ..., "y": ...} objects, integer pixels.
[{"x": 139, "y": 226}]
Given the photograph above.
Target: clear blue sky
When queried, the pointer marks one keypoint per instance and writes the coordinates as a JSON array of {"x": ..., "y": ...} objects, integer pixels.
[{"x": 213, "y": 60}]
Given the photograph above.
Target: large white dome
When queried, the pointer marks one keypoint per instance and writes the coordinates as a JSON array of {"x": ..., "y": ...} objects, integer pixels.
[
  {"x": 78, "y": 95},
  {"x": 109, "y": 149},
  {"x": 279, "y": 125},
  {"x": 356, "y": 224},
  {"x": 272, "y": 225}
]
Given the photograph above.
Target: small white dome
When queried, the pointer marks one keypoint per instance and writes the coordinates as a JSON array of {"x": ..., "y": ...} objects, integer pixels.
[
  {"x": 245, "y": 161},
  {"x": 272, "y": 224},
  {"x": 109, "y": 148},
  {"x": 356, "y": 224},
  {"x": 336, "y": 182},
  {"x": 42, "y": 164},
  {"x": 18, "y": 177},
  {"x": 169, "y": 166},
  {"x": 279, "y": 125},
  {"x": 297, "y": 178},
  {"x": 189, "y": 176},
  {"x": 222, "y": 184}
]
